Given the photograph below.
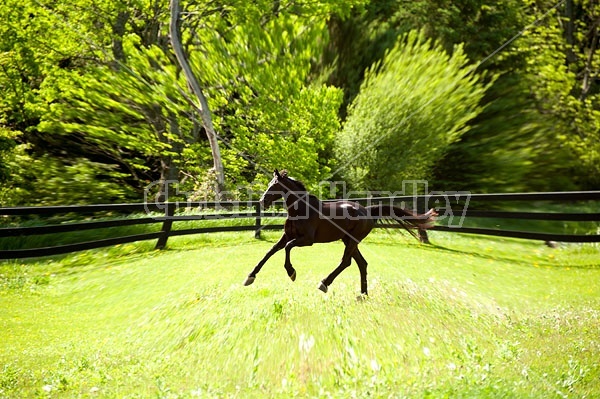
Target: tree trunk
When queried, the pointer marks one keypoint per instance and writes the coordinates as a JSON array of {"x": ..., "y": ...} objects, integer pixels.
[
  {"x": 570, "y": 31},
  {"x": 118, "y": 30},
  {"x": 203, "y": 104}
]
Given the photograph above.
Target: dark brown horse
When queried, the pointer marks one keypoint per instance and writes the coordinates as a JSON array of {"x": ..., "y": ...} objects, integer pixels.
[{"x": 312, "y": 221}]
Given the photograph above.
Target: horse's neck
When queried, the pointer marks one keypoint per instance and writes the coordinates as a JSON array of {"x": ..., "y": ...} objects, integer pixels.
[
  {"x": 295, "y": 197},
  {"x": 300, "y": 202}
]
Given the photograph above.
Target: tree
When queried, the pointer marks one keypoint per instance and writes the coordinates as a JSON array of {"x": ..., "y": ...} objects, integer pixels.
[
  {"x": 32, "y": 47},
  {"x": 510, "y": 145},
  {"x": 563, "y": 69},
  {"x": 410, "y": 108},
  {"x": 127, "y": 116},
  {"x": 134, "y": 108},
  {"x": 268, "y": 112},
  {"x": 203, "y": 108}
]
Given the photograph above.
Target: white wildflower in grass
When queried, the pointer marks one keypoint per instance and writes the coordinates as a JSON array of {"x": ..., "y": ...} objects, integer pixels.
[
  {"x": 47, "y": 388},
  {"x": 426, "y": 351},
  {"x": 196, "y": 393},
  {"x": 375, "y": 366},
  {"x": 351, "y": 354},
  {"x": 305, "y": 344}
]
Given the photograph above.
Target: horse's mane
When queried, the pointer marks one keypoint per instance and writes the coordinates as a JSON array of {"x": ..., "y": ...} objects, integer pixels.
[{"x": 301, "y": 186}]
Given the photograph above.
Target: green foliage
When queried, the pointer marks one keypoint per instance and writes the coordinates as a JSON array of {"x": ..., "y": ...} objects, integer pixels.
[
  {"x": 509, "y": 147},
  {"x": 267, "y": 112},
  {"x": 23, "y": 61},
  {"x": 96, "y": 82},
  {"x": 563, "y": 68},
  {"x": 45, "y": 48},
  {"x": 482, "y": 25},
  {"x": 49, "y": 181},
  {"x": 513, "y": 144},
  {"x": 139, "y": 114},
  {"x": 7, "y": 148},
  {"x": 411, "y": 107},
  {"x": 506, "y": 147},
  {"x": 12, "y": 191},
  {"x": 129, "y": 110},
  {"x": 581, "y": 134}
]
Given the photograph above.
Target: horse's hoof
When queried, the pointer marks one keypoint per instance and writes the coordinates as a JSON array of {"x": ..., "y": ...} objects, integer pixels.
[
  {"x": 362, "y": 297},
  {"x": 293, "y": 276},
  {"x": 322, "y": 287},
  {"x": 249, "y": 280}
]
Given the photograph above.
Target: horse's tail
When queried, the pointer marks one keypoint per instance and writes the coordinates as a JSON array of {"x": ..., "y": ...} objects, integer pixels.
[{"x": 407, "y": 219}]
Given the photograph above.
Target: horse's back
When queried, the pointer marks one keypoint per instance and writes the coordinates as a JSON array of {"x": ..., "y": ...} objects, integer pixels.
[{"x": 342, "y": 219}]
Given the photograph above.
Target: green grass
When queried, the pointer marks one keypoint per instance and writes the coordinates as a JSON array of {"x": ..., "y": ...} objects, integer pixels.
[{"x": 468, "y": 317}]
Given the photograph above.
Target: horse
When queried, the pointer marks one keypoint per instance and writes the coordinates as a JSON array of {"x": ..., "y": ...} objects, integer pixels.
[{"x": 312, "y": 221}]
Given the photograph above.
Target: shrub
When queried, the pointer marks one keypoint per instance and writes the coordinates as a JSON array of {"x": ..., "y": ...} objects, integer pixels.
[{"x": 412, "y": 105}]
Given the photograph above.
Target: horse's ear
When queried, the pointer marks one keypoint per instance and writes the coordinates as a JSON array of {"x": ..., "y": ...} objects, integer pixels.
[{"x": 276, "y": 174}]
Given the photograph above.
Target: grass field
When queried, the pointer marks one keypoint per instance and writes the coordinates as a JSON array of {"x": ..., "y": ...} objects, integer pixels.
[{"x": 466, "y": 317}]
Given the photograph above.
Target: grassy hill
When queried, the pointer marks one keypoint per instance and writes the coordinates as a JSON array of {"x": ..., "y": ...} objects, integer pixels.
[{"x": 467, "y": 317}]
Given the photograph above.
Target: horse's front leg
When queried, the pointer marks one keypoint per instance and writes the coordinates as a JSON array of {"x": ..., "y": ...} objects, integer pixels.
[
  {"x": 302, "y": 241},
  {"x": 277, "y": 247}
]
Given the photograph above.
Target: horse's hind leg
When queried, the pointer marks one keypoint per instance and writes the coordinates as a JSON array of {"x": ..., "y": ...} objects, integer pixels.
[
  {"x": 346, "y": 260},
  {"x": 362, "y": 267},
  {"x": 277, "y": 247}
]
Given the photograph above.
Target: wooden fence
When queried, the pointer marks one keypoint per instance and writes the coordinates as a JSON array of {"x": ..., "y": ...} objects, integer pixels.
[{"x": 453, "y": 207}]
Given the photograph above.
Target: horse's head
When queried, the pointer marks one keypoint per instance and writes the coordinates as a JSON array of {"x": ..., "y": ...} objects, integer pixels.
[
  {"x": 278, "y": 188},
  {"x": 275, "y": 190}
]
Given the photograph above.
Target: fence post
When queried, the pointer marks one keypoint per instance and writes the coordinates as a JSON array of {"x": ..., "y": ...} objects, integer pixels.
[
  {"x": 258, "y": 221},
  {"x": 423, "y": 237},
  {"x": 166, "y": 227}
]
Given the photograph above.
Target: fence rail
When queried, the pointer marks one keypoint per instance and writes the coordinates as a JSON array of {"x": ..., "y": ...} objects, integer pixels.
[{"x": 166, "y": 216}]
